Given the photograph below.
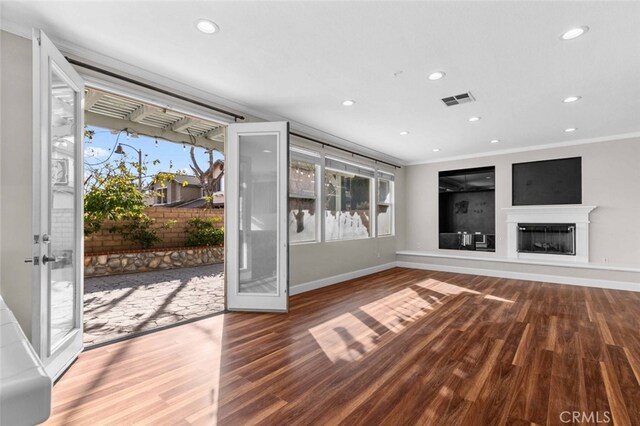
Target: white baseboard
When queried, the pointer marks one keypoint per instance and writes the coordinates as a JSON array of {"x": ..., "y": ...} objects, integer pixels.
[
  {"x": 557, "y": 279},
  {"x": 335, "y": 279}
]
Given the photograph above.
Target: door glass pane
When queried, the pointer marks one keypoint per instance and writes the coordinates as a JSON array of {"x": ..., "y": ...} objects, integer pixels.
[
  {"x": 258, "y": 215},
  {"x": 61, "y": 199}
]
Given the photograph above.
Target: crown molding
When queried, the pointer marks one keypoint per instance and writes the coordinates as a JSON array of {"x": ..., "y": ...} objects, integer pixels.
[{"x": 586, "y": 141}]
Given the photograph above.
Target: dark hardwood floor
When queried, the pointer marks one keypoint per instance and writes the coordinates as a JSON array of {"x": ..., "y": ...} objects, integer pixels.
[{"x": 398, "y": 347}]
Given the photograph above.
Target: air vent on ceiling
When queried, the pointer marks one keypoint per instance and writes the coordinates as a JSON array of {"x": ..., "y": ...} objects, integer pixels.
[{"x": 462, "y": 98}]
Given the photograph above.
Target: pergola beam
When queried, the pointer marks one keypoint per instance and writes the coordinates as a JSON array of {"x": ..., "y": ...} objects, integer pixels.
[
  {"x": 112, "y": 123},
  {"x": 182, "y": 124},
  {"x": 215, "y": 134},
  {"x": 92, "y": 98},
  {"x": 142, "y": 112}
]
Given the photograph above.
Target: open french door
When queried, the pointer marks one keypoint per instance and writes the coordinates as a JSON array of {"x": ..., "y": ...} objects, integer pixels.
[
  {"x": 257, "y": 172},
  {"x": 57, "y": 207}
]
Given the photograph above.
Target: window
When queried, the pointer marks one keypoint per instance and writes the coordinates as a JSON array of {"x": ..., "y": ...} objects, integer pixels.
[
  {"x": 348, "y": 189},
  {"x": 161, "y": 196},
  {"x": 303, "y": 172},
  {"x": 384, "y": 207}
]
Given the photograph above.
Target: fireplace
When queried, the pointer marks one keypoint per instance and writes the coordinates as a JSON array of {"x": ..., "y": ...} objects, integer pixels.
[
  {"x": 555, "y": 233},
  {"x": 547, "y": 238}
]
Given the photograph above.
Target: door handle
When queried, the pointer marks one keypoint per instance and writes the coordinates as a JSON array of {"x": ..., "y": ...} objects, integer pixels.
[
  {"x": 33, "y": 260},
  {"x": 46, "y": 259}
]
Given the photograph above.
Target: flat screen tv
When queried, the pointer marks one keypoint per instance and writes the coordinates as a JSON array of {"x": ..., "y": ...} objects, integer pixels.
[{"x": 548, "y": 182}]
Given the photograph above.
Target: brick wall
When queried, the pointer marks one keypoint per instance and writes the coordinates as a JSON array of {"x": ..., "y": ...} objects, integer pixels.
[{"x": 175, "y": 236}]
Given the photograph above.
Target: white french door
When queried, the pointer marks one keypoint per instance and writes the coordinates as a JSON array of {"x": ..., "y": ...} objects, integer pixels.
[
  {"x": 57, "y": 207},
  {"x": 257, "y": 168}
]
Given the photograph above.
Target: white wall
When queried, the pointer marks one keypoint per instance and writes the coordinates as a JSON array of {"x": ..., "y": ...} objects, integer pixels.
[
  {"x": 317, "y": 261},
  {"x": 15, "y": 176},
  {"x": 610, "y": 178}
]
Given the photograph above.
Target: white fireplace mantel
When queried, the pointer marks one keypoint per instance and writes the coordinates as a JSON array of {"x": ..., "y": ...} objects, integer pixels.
[{"x": 577, "y": 214}]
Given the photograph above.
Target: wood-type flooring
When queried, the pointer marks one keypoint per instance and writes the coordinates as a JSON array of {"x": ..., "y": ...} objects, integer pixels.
[{"x": 399, "y": 347}]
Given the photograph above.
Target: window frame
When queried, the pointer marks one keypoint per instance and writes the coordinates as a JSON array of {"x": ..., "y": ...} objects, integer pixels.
[
  {"x": 372, "y": 194},
  {"x": 164, "y": 195},
  {"x": 321, "y": 169},
  {"x": 382, "y": 175},
  {"x": 317, "y": 189}
]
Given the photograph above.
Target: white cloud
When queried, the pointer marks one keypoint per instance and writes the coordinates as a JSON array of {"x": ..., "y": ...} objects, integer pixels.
[{"x": 96, "y": 152}]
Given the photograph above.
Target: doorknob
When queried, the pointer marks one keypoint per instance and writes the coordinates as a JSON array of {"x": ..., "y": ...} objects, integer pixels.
[{"x": 46, "y": 259}]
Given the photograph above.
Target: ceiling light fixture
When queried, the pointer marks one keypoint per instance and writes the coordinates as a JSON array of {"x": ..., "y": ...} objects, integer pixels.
[
  {"x": 404, "y": 133},
  {"x": 348, "y": 102},
  {"x": 436, "y": 149},
  {"x": 571, "y": 129},
  {"x": 574, "y": 33},
  {"x": 207, "y": 26},
  {"x": 474, "y": 119},
  {"x": 495, "y": 140},
  {"x": 436, "y": 75},
  {"x": 570, "y": 99}
]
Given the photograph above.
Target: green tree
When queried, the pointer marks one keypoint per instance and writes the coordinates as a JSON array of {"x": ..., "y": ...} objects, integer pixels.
[{"x": 112, "y": 195}]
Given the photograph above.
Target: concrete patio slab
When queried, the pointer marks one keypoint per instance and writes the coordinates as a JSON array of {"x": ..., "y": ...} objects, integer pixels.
[{"x": 119, "y": 305}]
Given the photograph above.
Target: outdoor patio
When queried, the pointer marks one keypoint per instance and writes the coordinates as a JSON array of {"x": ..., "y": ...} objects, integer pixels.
[{"x": 119, "y": 305}]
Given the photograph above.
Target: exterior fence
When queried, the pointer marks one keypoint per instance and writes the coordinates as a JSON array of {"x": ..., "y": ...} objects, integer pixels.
[{"x": 170, "y": 223}]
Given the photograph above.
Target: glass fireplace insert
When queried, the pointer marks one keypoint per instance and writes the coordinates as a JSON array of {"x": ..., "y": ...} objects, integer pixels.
[{"x": 547, "y": 238}]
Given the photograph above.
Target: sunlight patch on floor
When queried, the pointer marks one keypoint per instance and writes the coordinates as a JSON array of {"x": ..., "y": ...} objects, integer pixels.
[
  {"x": 344, "y": 338},
  {"x": 396, "y": 310},
  {"x": 444, "y": 287},
  {"x": 499, "y": 299}
]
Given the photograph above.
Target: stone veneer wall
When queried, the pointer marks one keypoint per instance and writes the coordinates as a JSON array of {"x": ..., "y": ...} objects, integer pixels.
[{"x": 130, "y": 262}]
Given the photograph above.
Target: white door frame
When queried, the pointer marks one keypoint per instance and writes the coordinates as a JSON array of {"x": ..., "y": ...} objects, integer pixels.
[
  {"x": 237, "y": 301},
  {"x": 46, "y": 57}
]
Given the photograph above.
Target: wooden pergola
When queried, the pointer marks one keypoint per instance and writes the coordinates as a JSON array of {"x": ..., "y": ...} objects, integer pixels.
[{"x": 115, "y": 112}]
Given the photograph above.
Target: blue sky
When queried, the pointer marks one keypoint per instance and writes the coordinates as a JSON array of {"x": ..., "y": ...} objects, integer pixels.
[{"x": 104, "y": 142}]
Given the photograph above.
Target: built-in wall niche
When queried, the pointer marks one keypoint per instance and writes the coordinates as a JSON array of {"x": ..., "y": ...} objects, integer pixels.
[
  {"x": 548, "y": 182},
  {"x": 467, "y": 209}
]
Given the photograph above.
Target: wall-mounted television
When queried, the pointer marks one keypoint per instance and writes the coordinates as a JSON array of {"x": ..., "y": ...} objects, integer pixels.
[{"x": 548, "y": 182}]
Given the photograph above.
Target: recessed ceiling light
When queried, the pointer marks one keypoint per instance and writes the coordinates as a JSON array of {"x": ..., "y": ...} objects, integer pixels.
[
  {"x": 571, "y": 129},
  {"x": 266, "y": 151},
  {"x": 473, "y": 119},
  {"x": 436, "y": 75},
  {"x": 436, "y": 149},
  {"x": 404, "y": 133},
  {"x": 206, "y": 26},
  {"x": 348, "y": 102},
  {"x": 574, "y": 33},
  {"x": 495, "y": 140},
  {"x": 570, "y": 99}
]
